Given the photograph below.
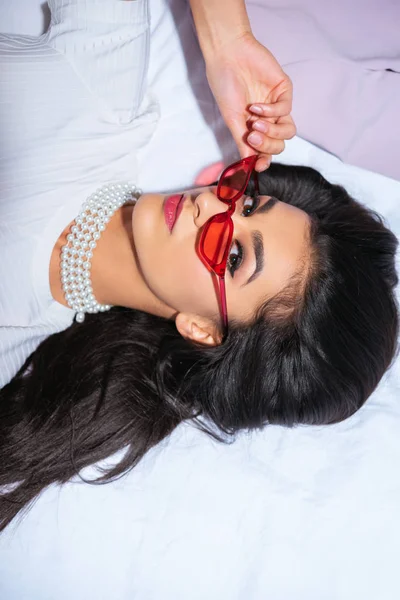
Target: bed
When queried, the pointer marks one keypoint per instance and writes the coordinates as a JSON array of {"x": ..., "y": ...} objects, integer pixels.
[{"x": 300, "y": 514}]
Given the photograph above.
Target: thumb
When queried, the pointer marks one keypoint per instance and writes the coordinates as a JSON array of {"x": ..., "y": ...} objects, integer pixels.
[{"x": 239, "y": 130}]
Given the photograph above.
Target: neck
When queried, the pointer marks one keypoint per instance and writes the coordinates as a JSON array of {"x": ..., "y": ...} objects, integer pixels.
[{"x": 116, "y": 278}]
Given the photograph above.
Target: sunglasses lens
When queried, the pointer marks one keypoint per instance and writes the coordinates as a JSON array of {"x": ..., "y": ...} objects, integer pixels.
[
  {"x": 233, "y": 182},
  {"x": 215, "y": 240}
]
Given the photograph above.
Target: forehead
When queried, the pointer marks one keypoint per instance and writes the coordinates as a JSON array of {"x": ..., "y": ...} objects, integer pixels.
[{"x": 285, "y": 232}]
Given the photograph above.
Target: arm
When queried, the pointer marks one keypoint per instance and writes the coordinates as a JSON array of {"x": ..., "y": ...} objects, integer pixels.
[
  {"x": 241, "y": 72},
  {"x": 219, "y": 22}
]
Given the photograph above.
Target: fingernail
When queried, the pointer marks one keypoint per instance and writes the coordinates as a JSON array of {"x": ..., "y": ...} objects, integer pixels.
[
  {"x": 264, "y": 165},
  {"x": 260, "y": 126},
  {"x": 257, "y": 109},
  {"x": 255, "y": 139}
]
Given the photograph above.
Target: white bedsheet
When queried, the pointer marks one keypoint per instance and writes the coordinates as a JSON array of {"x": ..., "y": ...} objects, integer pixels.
[{"x": 302, "y": 514}]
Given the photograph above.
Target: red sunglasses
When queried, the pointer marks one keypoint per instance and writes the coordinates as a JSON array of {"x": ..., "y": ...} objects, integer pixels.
[{"x": 217, "y": 233}]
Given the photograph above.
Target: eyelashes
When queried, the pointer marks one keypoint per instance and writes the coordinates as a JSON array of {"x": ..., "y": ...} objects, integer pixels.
[
  {"x": 237, "y": 254},
  {"x": 235, "y": 258},
  {"x": 254, "y": 204}
]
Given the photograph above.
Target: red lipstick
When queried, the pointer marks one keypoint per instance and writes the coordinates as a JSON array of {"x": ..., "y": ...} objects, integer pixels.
[{"x": 172, "y": 209}]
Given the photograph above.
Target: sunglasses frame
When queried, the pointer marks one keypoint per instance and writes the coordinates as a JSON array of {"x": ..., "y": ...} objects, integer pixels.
[{"x": 225, "y": 219}]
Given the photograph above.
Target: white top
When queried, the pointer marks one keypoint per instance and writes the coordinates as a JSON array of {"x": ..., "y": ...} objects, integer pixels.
[{"x": 59, "y": 143}]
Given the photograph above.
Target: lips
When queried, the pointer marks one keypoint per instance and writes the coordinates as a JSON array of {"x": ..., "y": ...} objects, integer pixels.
[{"x": 172, "y": 209}]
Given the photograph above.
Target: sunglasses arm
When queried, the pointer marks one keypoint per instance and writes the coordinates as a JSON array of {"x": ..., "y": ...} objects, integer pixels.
[
  {"x": 224, "y": 309},
  {"x": 256, "y": 182}
]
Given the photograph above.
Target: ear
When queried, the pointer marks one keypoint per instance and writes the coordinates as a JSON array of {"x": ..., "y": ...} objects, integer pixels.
[{"x": 198, "y": 329}]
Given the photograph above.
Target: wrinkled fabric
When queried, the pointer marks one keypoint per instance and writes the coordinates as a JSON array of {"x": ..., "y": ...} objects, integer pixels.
[{"x": 344, "y": 60}]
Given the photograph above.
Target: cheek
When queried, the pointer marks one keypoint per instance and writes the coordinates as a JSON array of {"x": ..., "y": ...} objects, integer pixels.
[
  {"x": 187, "y": 283},
  {"x": 171, "y": 268}
]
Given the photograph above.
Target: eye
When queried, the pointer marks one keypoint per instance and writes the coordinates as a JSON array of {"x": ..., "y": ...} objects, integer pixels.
[
  {"x": 235, "y": 258},
  {"x": 250, "y": 204}
]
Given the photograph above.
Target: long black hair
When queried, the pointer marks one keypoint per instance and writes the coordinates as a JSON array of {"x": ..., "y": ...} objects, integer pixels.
[{"x": 125, "y": 379}]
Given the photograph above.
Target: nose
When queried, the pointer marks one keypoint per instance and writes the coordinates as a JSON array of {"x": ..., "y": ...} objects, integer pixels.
[{"x": 206, "y": 205}]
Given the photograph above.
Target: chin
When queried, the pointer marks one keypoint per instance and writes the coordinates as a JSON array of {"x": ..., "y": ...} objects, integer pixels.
[
  {"x": 148, "y": 229},
  {"x": 147, "y": 213}
]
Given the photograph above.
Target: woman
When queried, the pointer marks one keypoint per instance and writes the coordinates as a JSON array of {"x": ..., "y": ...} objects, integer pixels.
[
  {"x": 312, "y": 327},
  {"x": 311, "y": 316}
]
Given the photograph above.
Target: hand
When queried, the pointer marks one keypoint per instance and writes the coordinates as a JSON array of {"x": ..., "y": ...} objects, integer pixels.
[{"x": 242, "y": 74}]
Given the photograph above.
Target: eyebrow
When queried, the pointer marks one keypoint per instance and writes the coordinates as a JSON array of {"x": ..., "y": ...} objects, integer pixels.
[{"x": 257, "y": 239}]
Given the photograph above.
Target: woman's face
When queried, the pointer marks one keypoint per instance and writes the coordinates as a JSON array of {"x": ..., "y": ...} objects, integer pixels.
[{"x": 270, "y": 240}]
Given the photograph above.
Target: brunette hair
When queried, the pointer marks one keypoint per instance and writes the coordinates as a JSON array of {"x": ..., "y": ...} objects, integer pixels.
[{"x": 125, "y": 379}]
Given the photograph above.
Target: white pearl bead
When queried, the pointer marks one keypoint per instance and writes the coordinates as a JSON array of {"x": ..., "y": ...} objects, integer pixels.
[{"x": 76, "y": 255}]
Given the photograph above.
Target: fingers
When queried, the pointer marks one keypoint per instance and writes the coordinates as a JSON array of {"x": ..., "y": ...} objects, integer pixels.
[
  {"x": 265, "y": 144},
  {"x": 263, "y": 163},
  {"x": 284, "y": 129},
  {"x": 268, "y": 138},
  {"x": 281, "y": 108}
]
